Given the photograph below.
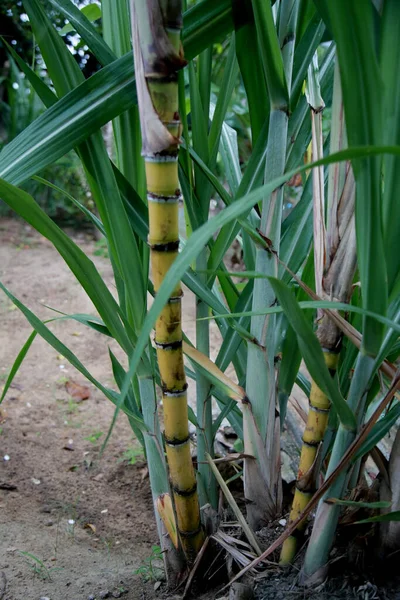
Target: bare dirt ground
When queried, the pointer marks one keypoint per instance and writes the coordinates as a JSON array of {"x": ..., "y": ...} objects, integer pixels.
[{"x": 86, "y": 524}]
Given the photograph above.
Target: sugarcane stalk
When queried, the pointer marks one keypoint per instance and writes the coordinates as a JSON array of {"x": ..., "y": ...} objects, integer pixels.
[
  {"x": 157, "y": 50},
  {"x": 262, "y": 480},
  {"x": 335, "y": 259}
]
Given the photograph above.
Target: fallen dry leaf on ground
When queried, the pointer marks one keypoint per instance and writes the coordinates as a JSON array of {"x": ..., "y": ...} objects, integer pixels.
[{"x": 77, "y": 391}]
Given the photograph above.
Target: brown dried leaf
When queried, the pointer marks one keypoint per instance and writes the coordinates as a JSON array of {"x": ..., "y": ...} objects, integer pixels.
[
  {"x": 77, "y": 391},
  {"x": 90, "y": 526}
]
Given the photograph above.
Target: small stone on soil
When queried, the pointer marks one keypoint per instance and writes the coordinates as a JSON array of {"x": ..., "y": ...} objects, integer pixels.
[
  {"x": 104, "y": 594},
  {"x": 116, "y": 594},
  {"x": 91, "y": 597}
]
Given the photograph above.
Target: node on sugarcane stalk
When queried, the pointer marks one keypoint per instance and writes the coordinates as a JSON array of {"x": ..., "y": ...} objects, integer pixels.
[{"x": 158, "y": 57}]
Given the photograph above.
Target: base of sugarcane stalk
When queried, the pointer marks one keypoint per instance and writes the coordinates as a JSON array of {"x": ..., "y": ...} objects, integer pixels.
[{"x": 314, "y": 432}]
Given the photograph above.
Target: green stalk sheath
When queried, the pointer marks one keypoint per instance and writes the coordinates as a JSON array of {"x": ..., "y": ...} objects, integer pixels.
[
  {"x": 262, "y": 476},
  {"x": 200, "y": 109},
  {"x": 156, "y": 34},
  {"x": 328, "y": 514},
  {"x": 157, "y": 468},
  {"x": 207, "y": 487}
]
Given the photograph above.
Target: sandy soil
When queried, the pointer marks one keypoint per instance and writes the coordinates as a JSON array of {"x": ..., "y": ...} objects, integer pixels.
[{"x": 87, "y": 523}]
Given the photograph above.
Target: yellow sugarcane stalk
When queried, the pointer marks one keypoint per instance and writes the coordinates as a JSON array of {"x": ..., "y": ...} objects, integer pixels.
[
  {"x": 157, "y": 57},
  {"x": 317, "y": 421}
]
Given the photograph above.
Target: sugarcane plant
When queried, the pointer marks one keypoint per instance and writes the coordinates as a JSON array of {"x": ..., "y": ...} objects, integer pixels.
[
  {"x": 157, "y": 50},
  {"x": 334, "y": 267},
  {"x": 226, "y": 84}
]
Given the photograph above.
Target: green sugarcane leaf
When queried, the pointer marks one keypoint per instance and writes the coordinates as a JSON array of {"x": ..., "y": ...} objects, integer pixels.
[
  {"x": 90, "y": 216},
  {"x": 61, "y": 65},
  {"x": 297, "y": 235},
  {"x": 81, "y": 266},
  {"x": 304, "y": 384},
  {"x": 251, "y": 70},
  {"x": 201, "y": 237},
  {"x": 131, "y": 402},
  {"x": 43, "y": 91},
  {"x": 208, "y": 22},
  {"x": 80, "y": 20},
  {"x": 17, "y": 363},
  {"x": 229, "y": 150},
  {"x": 311, "y": 351},
  {"x": 69, "y": 122},
  {"x": 392, "y": 516},
  {"x": 271, "y": 54},
  {"x": 91, "y": 12},
  {"x": 116, "y": 26},
  {"x": 313, "y": 304},
  {"x": 229, "y": 80},
  {"x": 125, "y": 253},
  {"x": 200, "y": 144},
  {"x": 224, "y": 414},
  {"x": 291, "y": 355},
  {"x": 304, "y": 52},
  {"x": 51, "y": 339},
  {"x": 389, "y": 69},
  {"x": 378, "y": 432},
  {"x": 91, "y": 321},
  {"x": 354, "y": 504},
  {"x": 232, "y": 340},
  {"x": 353, "y": 28}
]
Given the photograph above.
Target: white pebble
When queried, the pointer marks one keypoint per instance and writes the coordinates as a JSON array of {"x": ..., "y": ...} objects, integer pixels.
[{"x": 6, "y": 457}]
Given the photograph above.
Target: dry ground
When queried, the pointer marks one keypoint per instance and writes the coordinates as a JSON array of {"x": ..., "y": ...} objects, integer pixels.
[{"x": 88, "y": 521}]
